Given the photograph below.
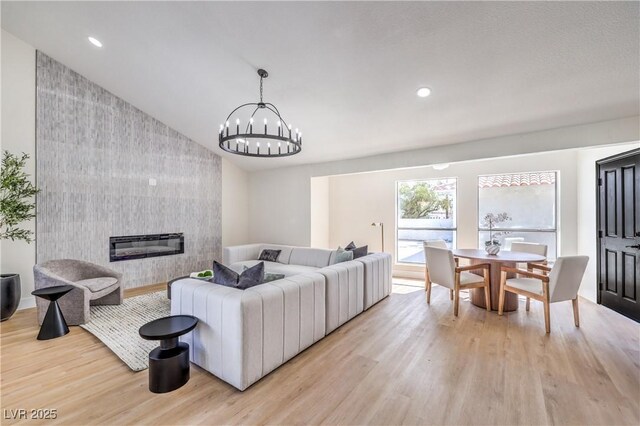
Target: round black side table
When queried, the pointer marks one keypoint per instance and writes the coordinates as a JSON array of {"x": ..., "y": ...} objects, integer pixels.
[
  {"x": 54, "y": 324},
  {"x": 168, "y": 363}
]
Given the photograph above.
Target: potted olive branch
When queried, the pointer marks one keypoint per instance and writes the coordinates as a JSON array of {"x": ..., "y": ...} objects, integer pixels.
[{"x": 17, "y": 205}]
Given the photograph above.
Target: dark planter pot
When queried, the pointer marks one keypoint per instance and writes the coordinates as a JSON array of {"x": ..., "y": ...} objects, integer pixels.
[{"x": 10, "y": 295}]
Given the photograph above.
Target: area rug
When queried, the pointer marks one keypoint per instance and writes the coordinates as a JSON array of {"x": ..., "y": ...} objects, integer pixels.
[{"x": 117, "y": 326}]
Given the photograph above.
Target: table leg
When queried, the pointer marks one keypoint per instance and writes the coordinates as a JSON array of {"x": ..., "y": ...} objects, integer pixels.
[
  {"x": 477, "y": 294},
  {"x": 54, "y": 324}
]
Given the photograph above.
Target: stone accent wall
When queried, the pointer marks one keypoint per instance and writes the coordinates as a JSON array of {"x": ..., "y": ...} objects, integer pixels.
[{"x": 95, "y": 156}]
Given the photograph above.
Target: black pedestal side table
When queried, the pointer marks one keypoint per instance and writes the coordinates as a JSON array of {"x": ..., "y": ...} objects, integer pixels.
[
  {"x": 168, "y": 363},
  {"x": 54, "y": 324}
]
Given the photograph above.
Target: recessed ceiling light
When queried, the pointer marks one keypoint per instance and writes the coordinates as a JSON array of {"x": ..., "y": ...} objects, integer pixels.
[
  {"x": 95, "y": 42},
  {"x": 440, "y": 166},
  {"x": 423, "y": 92}
]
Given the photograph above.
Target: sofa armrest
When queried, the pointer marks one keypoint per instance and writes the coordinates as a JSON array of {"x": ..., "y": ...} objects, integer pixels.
[
  {"x": 233, "y": 254},
  {"x": 226, "y": 334}
]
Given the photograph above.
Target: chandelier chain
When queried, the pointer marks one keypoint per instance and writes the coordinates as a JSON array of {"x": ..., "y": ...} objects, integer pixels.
[{"x": 261, "y": 78}]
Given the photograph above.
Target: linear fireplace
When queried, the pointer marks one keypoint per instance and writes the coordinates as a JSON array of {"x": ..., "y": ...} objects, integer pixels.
[{"x": 142, "y": 246}]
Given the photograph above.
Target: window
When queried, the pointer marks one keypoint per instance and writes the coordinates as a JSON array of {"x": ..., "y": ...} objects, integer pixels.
[
  {"x": 426, "y": 210},
  {"x": 528, "y": 199}
]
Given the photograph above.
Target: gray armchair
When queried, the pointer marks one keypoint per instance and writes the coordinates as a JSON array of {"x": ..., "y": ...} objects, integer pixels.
[{"x": 95, "y": 285}]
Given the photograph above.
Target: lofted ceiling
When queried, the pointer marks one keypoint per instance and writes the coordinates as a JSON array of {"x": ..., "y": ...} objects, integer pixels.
[{"x": 346, "y": 73}]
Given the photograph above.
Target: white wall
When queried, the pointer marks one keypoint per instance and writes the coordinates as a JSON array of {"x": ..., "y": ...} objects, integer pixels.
[
  {"x": 359, "y": 199},
  {"x": 280, "y": 199},
  {"x": 319, "y": 220},
  {"x": 587, "y": 241},
  {"x": 235, "y": 204},
  {"x": 280, "y": 206},
  {"x": 19, "y": 135}
]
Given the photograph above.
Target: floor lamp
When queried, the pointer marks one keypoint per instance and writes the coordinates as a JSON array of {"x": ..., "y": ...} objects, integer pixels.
[{"x": 381, "y": 225}]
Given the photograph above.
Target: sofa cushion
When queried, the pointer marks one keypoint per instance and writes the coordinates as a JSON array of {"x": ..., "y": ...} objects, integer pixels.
[
  {"x": 269, "y": 255},
  {"x": 316, "y": 257},
  {"x": 97, "y": 284},
  {"x": 274, "y": 267}
]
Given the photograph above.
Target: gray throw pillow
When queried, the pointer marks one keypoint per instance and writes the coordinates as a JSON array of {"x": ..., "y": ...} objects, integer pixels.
[
  {"x": 343, "y": 255},
  {"x": 272, "y": 277},
  {"x": 360, "y": 251},
  {"x": 269, "y": 255},
  {"x": 248, "y": 278},
  {"x": 268, "y": 277},
  {"x": 251, "y": 277},
  {"x": 350, "y": 246},
  {"x": 223, "y": 275}
]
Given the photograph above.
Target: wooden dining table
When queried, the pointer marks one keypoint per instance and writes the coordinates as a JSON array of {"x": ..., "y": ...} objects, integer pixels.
[{"x": 496, "y": 262}]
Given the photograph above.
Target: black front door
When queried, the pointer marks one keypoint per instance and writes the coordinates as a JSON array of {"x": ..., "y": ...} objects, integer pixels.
[{"x": 619, "y": 233}]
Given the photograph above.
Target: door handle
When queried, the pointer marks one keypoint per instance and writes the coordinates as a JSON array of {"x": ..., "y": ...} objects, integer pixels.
[{"x": 637, "y": 246}]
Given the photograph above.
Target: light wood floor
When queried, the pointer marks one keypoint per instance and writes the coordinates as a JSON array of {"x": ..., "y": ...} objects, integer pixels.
[{"x": 401, "y": 362}]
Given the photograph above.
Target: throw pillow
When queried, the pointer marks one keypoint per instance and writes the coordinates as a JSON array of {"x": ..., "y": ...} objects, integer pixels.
[
  {"x": 268, "y": 277},
  {"x": 343, "y": 255},
  {"x": 269, "y": 255},
  {"x": 272, "y": 277},
  {"x": 248, "y": 278},
  {"x": 360, "y": 251},
  {"x": 350, "y": 246},
  {"x": 251, "y": 277},
  {"x": 223, "y": 275}
]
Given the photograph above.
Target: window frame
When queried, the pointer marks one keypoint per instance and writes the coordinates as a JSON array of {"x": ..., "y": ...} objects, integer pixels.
[
  {"x": 556, "y": 216},
  {"x": 397, "y": 217}
]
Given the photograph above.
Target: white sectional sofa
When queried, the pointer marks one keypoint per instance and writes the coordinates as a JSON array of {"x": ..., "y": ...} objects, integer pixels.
[
  {"x": 243, "y": 335},
  {"x": 377, "y": 278},
  {"x": 345, "y": 292}
]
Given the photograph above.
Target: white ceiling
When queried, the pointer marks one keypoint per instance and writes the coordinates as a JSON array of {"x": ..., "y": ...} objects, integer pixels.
[{"x": 346, "y": 73}]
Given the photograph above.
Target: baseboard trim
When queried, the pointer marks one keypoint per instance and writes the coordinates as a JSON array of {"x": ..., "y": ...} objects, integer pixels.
[
  {"x": 416, "y": 275},
  {"x": 27, "y": 302}
]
